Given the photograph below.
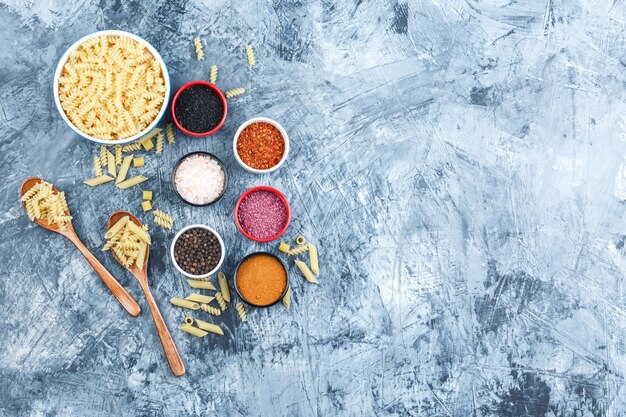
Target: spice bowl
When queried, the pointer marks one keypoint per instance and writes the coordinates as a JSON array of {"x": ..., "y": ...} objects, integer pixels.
[
  {"x": 202, "y": 229},
  {"x": 269, "y": 280},
  {"x": 187, "y": 108},
  {"x": 262, "y": 214},
  {"x": 282, "y": 132},
  {"x": 186, "y": 163}
]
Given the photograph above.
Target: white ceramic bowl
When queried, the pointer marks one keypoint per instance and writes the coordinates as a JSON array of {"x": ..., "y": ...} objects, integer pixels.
[
  {"x": 219, "y": 239},
  {"x": 64, "y": 58},
  {"x": 282, "y": 132}
]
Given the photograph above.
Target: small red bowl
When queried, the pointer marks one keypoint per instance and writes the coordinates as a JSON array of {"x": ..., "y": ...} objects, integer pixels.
[
  {"x": 210, "y": 86},
  {"x": 271, "y": 190}
]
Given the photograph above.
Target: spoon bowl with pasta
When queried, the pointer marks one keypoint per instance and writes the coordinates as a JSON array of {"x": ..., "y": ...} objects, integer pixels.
[
  {"x": 130, "y": 242},
  {"x": 46, "y": 206}
]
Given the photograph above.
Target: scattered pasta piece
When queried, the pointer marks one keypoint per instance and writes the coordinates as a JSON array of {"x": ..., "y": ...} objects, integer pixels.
[
  {"x": 118, "y": 155},
  {"x": 300, "y": 240},
  {"x": 146, "y": 205},
  {"x": 98, "y": 180},
  {"x": 192, "y": 330},
  {"x": 111, "y": 164},
  {"x": 147, "y": 195},
  {"x": 284, "y": 247},
  {"x": 159, "y": 143},
  {"x": 313, "y": 260},
  {"x": 287, "y": 298},
  {"x": 298, "y": 250},
  {"x": 131, "y": 182},
  {"x": 163, "y": 219},
  {"x": 147, "y": 144},
  {"x": 250, "y": 55},
  {"x": 198, "y": 45},
  {"x": 169, "y": 132},
  {"x": 188, "y": 320},
  {"x": 200, "y": 284},
  {"x": 121, "y": 175},
  {"x": 103, "y": 155},
  {"x": 235, "y": 92},
  {"x": 220, "y": 300},
  {"x": 135, "y": 146},
  {"x": 181, "y": 302},
  {"x": 97, "y": 166},
  {"x": 210, "y": 309},
  {"x": 138, "y": 162},
  {"x": 213, "y": 74},
  {"x": 209, "y": 327},
  {"x": 242, "y": 312},
  {"x": 306, "y": 272},
  {"x": 199, "y": 298},
  {"x": 221, "y": 279},
  {"x": 42, "y": 202}
]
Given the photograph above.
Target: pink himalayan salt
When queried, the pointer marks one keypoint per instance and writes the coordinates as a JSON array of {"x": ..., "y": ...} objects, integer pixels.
[
  {"x": 199, "y": 179},
  {"x": 262, "y": 214}
]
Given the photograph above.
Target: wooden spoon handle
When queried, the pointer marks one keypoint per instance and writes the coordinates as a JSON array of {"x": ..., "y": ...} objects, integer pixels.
[
  {"x": 173, "y": 357},
  {"x": 125, "y": 299}
]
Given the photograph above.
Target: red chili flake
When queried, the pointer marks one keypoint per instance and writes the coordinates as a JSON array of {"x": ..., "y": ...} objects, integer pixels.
[
  {"x": 262, "y": 214},
  {"x": 261, "y": 146}
]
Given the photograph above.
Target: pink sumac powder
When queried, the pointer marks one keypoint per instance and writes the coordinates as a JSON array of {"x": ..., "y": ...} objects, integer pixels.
[
  {"x": 262, "y": 214},
  {"x": 199, "y": 179}
]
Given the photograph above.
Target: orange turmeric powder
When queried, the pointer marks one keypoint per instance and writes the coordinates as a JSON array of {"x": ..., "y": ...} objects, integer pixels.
[{"x": 261, "y": 279}]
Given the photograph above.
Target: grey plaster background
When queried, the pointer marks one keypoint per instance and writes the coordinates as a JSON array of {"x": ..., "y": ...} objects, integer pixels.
[{"x": 460, "y": 164}]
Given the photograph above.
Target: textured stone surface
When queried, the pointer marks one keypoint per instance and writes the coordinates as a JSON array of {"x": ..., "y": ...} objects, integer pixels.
[{"x": 459, "y": 163}]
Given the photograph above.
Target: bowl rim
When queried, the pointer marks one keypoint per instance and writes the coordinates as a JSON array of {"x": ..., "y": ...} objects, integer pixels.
[
  {"x": 211, "y": 86},
  {"x": 72, "y": 48},
  {"x": 262, "y": 188},
  {"x": 219, "y": 239},
  {"x": 237, "y": 270},
  {"x": 221, "y": 164},
  {"x": 282, "y": 131}
]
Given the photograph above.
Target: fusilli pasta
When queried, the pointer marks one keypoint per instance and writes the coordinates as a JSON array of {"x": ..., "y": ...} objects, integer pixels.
[
  {"x": 210, "y": 309},
  {"x": 250, "y": 55},
  {"x": 198, "y": 45},
  {"x": 242, "y": 312},
  {"x": 235, "y": 92}
]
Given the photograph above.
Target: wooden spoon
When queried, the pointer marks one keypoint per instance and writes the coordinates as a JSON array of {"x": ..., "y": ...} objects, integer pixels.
[
  {"x": 173, "y": 357},
  {"x": 125, "y": 299}
]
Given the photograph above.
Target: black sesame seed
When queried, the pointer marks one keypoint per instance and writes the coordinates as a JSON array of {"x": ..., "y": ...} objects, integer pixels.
[{"x": 199, "y": 109}]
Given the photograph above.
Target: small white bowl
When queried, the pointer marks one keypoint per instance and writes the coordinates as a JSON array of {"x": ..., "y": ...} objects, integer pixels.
[
  {"x": 65, "y": 57},
  {"x": 219, "y": 239},
  {"x": 282, "y": 131}
]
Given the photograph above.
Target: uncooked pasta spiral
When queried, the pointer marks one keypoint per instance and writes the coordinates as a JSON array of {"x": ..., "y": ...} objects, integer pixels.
[
  {"x": 135, "y": 146},
  {"x": 250, "y": 55},
  {"x": 213, "y": 74},
  {"x": 118, "y": 155},
  {"x": 220, "y": 300},
  {"x": 298, "y": 250},
  {"x": 198, "y": 45},
  {"x": 242, "y": 312},
  {"x": 169, "y": 132},
  {"x": 97, "y": 166},
  {"x": 235, "y": 92},
  {"x": 163, "y": 219},
  {"x": 210, "y": 309},
  {"x": 159, "y": 143}
]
